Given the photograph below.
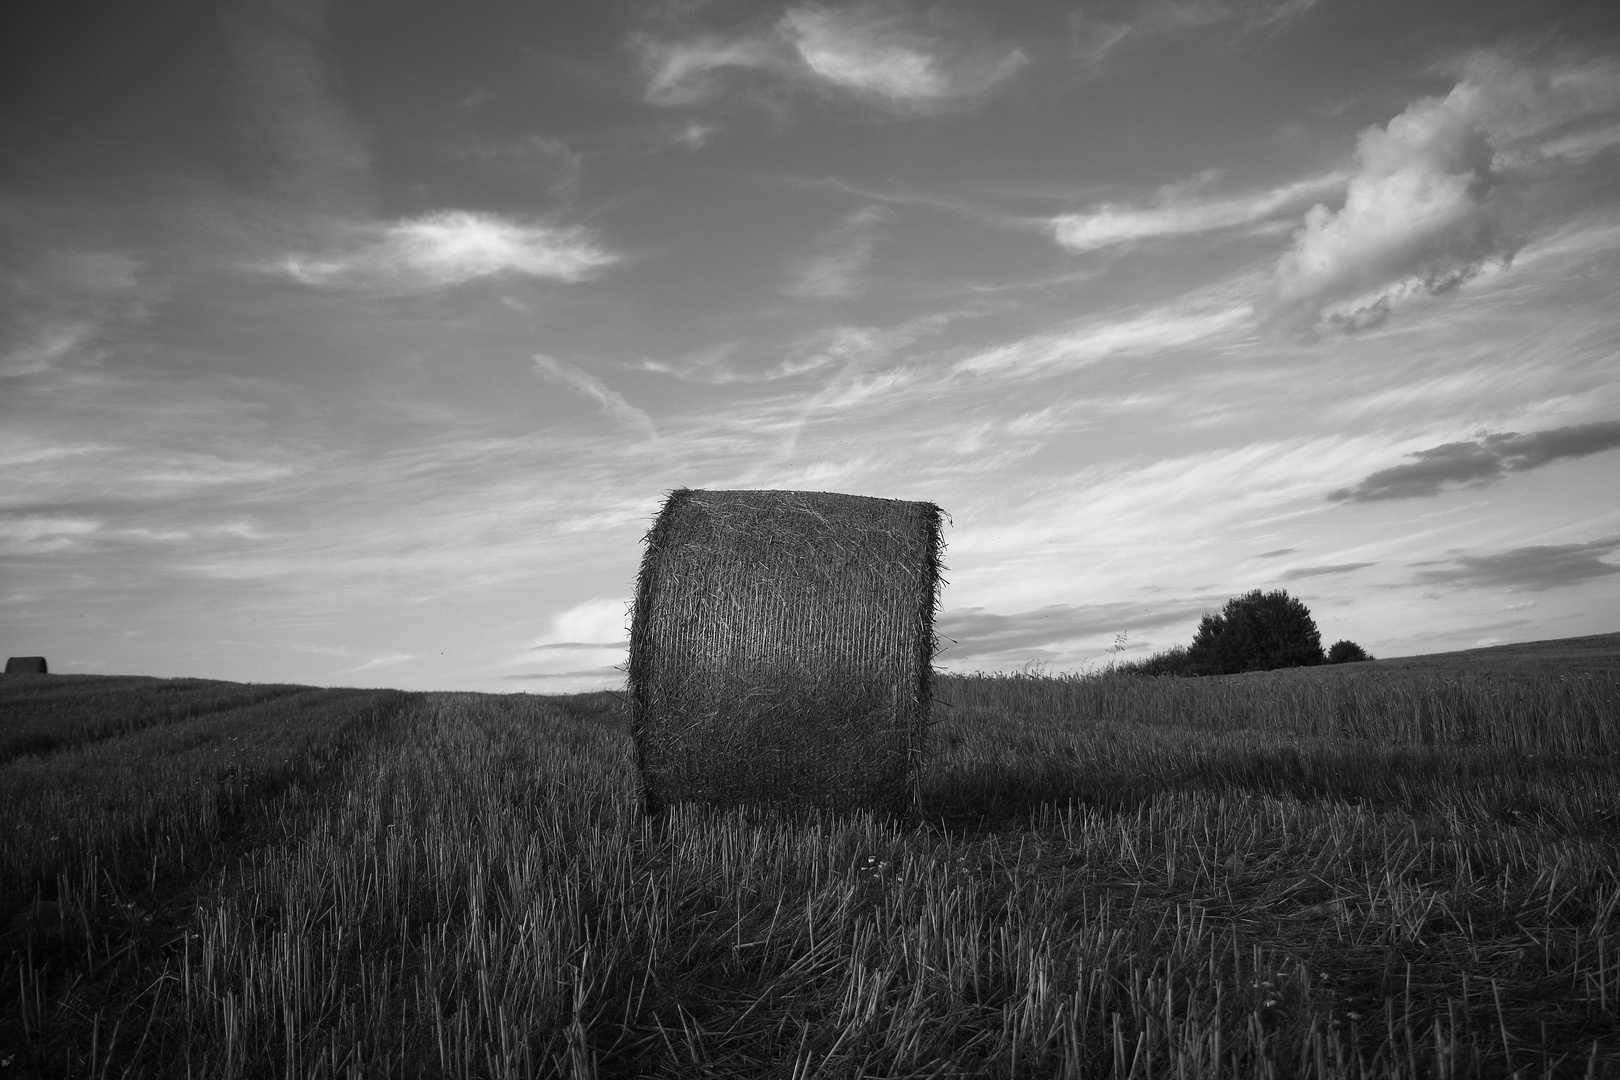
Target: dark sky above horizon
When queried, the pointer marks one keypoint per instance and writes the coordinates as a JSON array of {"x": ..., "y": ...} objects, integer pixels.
[{"x": 358, "y": 342}]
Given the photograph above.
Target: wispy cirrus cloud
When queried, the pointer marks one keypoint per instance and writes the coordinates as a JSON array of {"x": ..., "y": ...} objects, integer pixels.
[
  {"x": 449, "y": 248},
  {"x": 1300, "y": 572},
  {"x": 975, "y": 633},
  {"x": 852, "y": 351},
  {"x": 1535, "y": 568},
  {"x": 868, "y": 53},
  {"x": 287, "y": 91},
  {"x": 1177, "y": 212},
  {"x": 686, "y": 72},
  {"x": 57, "y": 305},
  {"x": 1103, "y": 337},
  {"x": 612, "y": 402},
  {"x": 841, "y": 256},
  {"x": 1481, "y": 461},
  {"x": 715, "y": 364},
  {"x": 1420, "y": 213},
  {"x": 391, "y": 660},
  {"x": 37, "y": 534},
  {"x": 1097, "y": 30},
  {"x": 874, "y": 54}
]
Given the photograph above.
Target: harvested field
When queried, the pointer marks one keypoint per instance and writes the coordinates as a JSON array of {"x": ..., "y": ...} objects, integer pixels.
[{"x": 460, "y": 885}]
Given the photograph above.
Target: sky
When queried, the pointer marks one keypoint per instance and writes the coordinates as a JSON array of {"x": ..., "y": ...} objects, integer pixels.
[{"x": 358, "y": 343}]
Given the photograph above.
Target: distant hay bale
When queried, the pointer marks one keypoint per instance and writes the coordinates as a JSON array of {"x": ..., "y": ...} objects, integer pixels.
[
  {"x": 26, "y": 665},
  {"x": 781, "y": 649}
]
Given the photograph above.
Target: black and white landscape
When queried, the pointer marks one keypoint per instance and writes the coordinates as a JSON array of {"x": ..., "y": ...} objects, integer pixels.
[{"x": 358, "y": 342}]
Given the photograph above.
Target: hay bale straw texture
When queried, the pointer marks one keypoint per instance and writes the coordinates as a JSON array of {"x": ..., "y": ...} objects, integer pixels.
[
  {"x": 781, "y": 649},
  {"x": 25, "y": 665}
]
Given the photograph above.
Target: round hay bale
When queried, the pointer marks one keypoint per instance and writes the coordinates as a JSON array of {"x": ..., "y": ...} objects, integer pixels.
[
  {"x": 781, "y": 649},
  {"x": 26, "y": 665}
]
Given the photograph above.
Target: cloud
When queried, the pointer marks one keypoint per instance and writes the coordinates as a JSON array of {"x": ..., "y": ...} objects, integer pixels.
[
  {"x": 288, "y": 95},
  {"x": 57, "y": 305},
  {"x": 605, "y": 672},
  {"x": 1276, "y": 553},
  {"x": 584, "y": 648},
  {"x": 1420, "y": 210},
  {"x": 1110, "y": 224},
  {"x": 1097, "y": 339},
  {"x": 977, "y": 632},
  {"x": 48, "y": 344},
  {"x": 550, "y": 160},
  {"x": 842, "y": 253},
  {"x": 1321, "y": 571},
  {"x": 1481, "y": 461},
  {"x": 851, "y": 350},
  {"x": 450, "y": 248},
  {"x": 711, "y": 365},
  {"x": 612, "y": 402},
  {"x": 684, "y": 72},
  {"x": 695, "y": 136},
  {"x": 380, "y": 662},
  {"x": 598, "y": 621},
  {"x": 869, "y": 53},
  {"x": 37, "y": 534},
  {"x": 1528, "y": 569},
  {"x": 1093, "y": 37}
]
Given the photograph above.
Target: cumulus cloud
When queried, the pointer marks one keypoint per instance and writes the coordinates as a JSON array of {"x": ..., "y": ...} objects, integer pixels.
[
  {"x": 583, "y": 648},
  {"x": 612, "y": 402},
  {"x": 842, "y": 254},
  {"x": 1481, "y": 461},
  {"x": 1175, "y": 214},
  {"x": 1536, "y": 568},
  {"x": 450, "y": 248},
  {"x": 1419, "y": 215},
  {"x": 599, "y": 621},
  {"x": 871, "y": 53}
]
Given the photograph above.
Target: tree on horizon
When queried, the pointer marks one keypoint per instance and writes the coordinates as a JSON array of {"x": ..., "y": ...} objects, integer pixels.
[{"x": 1258, "y": 631}]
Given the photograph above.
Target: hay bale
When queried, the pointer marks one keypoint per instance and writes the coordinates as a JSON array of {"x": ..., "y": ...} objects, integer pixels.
[
  {"x": 26, "y": 665},
  {"x": 781, "y": 649}
]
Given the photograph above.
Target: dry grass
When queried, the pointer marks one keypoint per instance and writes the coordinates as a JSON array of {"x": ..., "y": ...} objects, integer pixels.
[
  {"x": 1568, "y": 713},
  {"x": 68, "y": 709},
  {"x": 467, "y": 887}
]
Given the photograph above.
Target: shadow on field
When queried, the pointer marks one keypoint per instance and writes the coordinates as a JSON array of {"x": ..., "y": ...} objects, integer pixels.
[
  {"x": 1526, "y": 791},
  {"x": 605, "y": 705}
]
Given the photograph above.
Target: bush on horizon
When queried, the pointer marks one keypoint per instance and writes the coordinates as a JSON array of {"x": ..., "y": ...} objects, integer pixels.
[
  {"x": 1258, "y": 631},
  {"x": 1347, "y": 652}
]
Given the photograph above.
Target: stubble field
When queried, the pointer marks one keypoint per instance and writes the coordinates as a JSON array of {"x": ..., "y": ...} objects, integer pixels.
[{"x": 1405, "y": 868}]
